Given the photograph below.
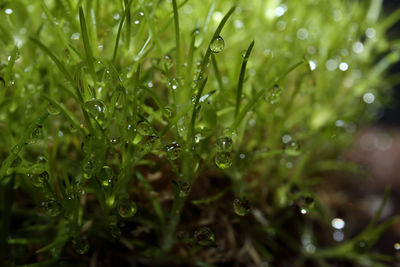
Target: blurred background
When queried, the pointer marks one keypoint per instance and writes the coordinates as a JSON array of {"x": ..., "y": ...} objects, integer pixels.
[{"x": 377, "y": 148}]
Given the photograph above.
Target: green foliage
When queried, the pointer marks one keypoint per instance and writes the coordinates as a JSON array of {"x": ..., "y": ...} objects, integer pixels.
[{"x": 128, "y": 124}]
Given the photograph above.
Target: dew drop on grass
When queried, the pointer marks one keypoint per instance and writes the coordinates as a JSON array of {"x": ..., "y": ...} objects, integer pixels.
[
  {"x": 80, "y": 245},
  {"x": 217, "y": 45},
  {"x": 223, "y": 160},
  {"x": 38, "y": 180},
  {"x": 275, "y": 94},
  {"x": 173, "y": 150},
  {"x": 38, "y": 168},
  {"x": 52, "y": 207},
  {"x": 149, "y": 142},
  {"x": 36, "y": 135},
  {"x": 97, "y": 109},
  {"x": 113, "y": 220},
  {"x": 305, "y": 203},
  {"x": 16, "y": 162},
  {"x": 224, "y": 144},
  {"x": 155, "y": 61},
  {"x": 115, "y": 232},
  {"x": 168, "y": 113},
  {"x": 106, "y": 176},
  {"x": 41, "y": 160},
  {"x": 15, "y": 149},
  {"x": 241, "y": 206},
  {"x": 127, "y": 208},
  {"x": 168, "y": 61},
  {"x": 53, "y": 110},
  {"x": 173, "y": 84},
  {"x": 184, "y": 189},
  {"x": 143, "y": 128},
  {"x": 292, "y": 148},
  {"x": 115, "y": 140},
  {"x": 204, "y": 237},
  {"x": 361, "y": 246},
  {"x": 119, "y": 104}
]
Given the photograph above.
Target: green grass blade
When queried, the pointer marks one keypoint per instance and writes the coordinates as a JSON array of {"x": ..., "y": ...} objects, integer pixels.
[
  {"x": 217, "y": 72},
  {"x": 18, "y": 147},
  {"x": 86, "y": 44},
  {"x": 197, "y": 99},
  {"x": 156, "y": 206},
  {"x": 177, "y": 38},
  {"x": 60, "y": 65},
  {"x": 121, "y": 23},
  {"x": 259, "y": 94},
  {"x": 217, "y": 32},
  {"x": 241, "y": 79}
]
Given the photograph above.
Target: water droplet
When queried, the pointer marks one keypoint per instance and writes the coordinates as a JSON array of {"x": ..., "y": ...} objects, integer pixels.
[
  {"x": 149, "y": 142},
  {"x": 16, "y": 162},
  {"x": 173, "y": 151},
  {"x": 224, "y": 144},
  {"x": 223, "y": 160},
  {"x": 173, "y": 84},
  {"x": 143, "y": 128},
  {"x": 115, "y": 140},
  {"x": 53, "y": 110},
  {"x": 338, "y": 223},
  {"x": 331, "y": 64},
  {"x": 168, "y": 61},
  {"x": 204, "y": 236},
  {"x": 217, "y": 45},
  {"x": 155, "y": 61},
  {"x": 106, "y": 176},
  {"x": 36, "y": 135},
  {"x": 52, "y": 207},
  {"x": 196, "y": 31},
  {"x": 305, "y": 203},
  {"x": 194, "y": 98},
  {"x": 115, "y": 232},
  {"x": 370, "y": 33},
  {"x": 275, "y": 94},
  {"x": 292, "y": 148},
  {"x": 343, "y": 66},
  {"x": 15, "y": 149},
  {"x": 358, "y": 47},
  {"x": 75, "y": 36},
  {"x": 312, "y": 65},
  {"x": 396, "y": 246},
  {"x": 184, "y": 189},
  {"x": 369, "y": 98},
  {"x": 88, "y": 166},
  {"x": 119, "y": 104},
  {"x": 338, "y": 235},
  {"x": 127, "y": 208},
  {"x": 80, "y": 245},
  {"x": 361, "y": 246},
  {"x": 113, "y": 220},
  {"x": 38, "y": 168},
  {"x": 241, "y": 206},
  {"x": 38, "y": 180},
  {"x": 97, "y": 109},
  {"x": 87, "y": 143},
  {"x": 168, "y": 114},
  {"x": 41, "y": 160},
  {"x": 243, "y": 53}
]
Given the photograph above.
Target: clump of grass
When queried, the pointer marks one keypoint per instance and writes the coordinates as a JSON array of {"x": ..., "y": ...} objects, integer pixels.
[{"x": 165, "y": 132}]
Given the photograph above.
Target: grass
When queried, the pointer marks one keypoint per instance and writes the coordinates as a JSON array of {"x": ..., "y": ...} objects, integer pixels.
[{"x": 184, "y": 132}]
